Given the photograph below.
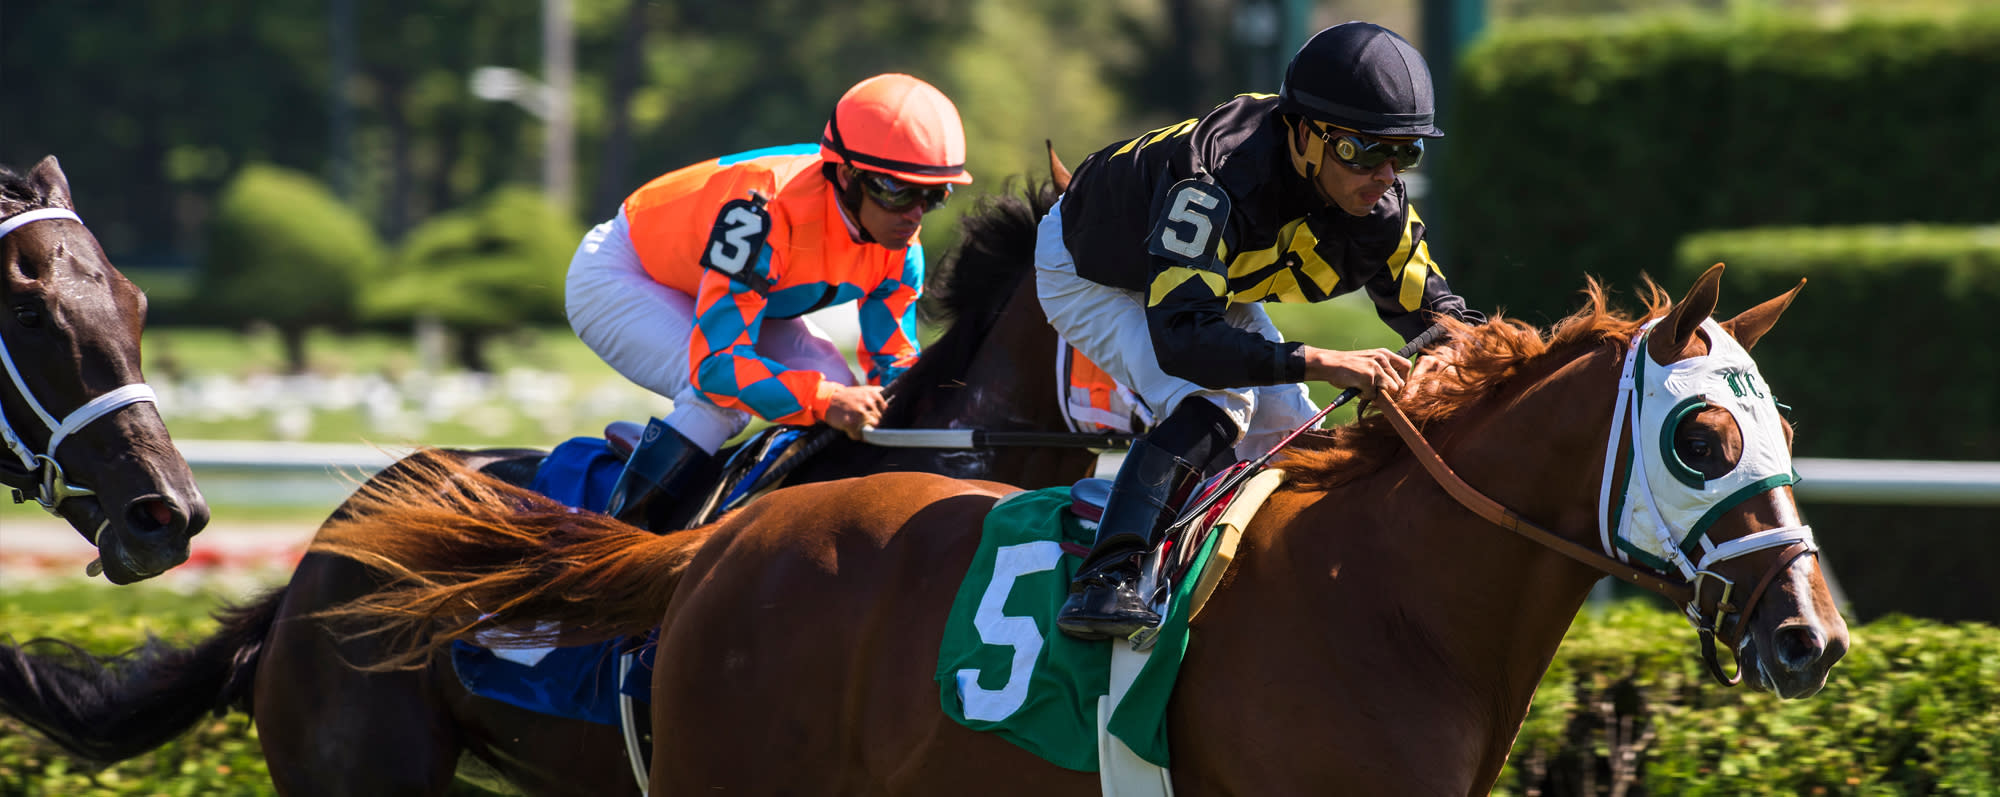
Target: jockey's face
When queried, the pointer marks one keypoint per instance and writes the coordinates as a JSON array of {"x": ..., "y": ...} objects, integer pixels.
[
  {"x": 890, "y": 228},
  {"x": 1355, "y": 190}
]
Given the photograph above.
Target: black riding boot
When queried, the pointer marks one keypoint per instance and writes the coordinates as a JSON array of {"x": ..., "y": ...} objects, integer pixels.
[
  {"x": 661, "y": 473},
  {"x": 1104, "y": 599}
]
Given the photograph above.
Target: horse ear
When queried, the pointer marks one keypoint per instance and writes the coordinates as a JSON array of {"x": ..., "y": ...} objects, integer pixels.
[
  {"x": 1057, "y": 171},
  {"x": 1669, "y": 339},
  {"x": 48, "y": 177},
  {"x": 1750, "y": 325}
]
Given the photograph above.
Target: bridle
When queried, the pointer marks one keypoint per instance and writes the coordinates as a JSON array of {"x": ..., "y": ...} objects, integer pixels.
[
  {"x": 40, "y": 475},
  {"x": 1708, "y": 609}
]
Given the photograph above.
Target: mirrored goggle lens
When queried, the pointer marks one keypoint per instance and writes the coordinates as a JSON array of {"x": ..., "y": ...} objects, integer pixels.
[
  {"x": 895, "y": 195},
  {"x": 1367, "y": 155}
]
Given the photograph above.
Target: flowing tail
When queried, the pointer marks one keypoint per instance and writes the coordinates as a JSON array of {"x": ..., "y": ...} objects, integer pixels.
[
  {"x": 113, "y": 708},
  {"x": 464, "y": 552}
]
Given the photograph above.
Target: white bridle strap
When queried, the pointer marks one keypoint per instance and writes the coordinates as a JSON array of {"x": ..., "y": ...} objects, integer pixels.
[
  {"x": 82, "y": 416},
  {"x": 1752, "y": 543},
  {"x": 98, "y": 408},
  {"x": 15, "y": 222},
  {"x": 1607, "y": 526}
]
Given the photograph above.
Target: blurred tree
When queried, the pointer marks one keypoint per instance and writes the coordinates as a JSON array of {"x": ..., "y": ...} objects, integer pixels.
[
  {"x": 283, "y": 250},
  {"x": 481, "y": 270},
  {"x": 153, "y": 105}
]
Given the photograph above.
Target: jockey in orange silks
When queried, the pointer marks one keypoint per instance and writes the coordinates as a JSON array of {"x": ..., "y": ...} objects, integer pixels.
[{"x": 699, "y": 287}]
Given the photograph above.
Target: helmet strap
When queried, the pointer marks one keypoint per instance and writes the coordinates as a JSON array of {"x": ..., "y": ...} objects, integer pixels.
[
  {"x": 1308, "y": 162},
  {"x": 848, "y": 196}
]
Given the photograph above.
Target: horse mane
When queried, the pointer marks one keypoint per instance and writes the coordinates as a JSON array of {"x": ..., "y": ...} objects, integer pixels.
[
  {"x": 17, "y": 194},
  {"x": 971, "y": 286},
  {"x": 1485, "y": 357}
]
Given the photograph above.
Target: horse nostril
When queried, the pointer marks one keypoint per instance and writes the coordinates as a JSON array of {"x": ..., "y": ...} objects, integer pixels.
[
  {"x": 153, "y": 515},
  {"x": 1798, "y": 646}
]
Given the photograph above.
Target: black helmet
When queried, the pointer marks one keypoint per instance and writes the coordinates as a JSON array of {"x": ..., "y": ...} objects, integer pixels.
[{"x": 1363, "y": 77}]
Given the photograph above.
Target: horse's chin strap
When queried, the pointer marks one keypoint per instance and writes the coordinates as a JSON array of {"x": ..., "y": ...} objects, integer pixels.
[{"x": 41, "y": 475}]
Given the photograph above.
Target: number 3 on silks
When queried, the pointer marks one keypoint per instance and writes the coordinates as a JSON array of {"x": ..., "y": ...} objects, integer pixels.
[
  {"x": 736, "y": 244},
  {"x": 1186, "y": 233}
]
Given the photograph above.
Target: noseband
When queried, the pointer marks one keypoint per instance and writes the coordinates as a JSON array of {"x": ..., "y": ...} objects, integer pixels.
[
  {"x": 1708, "y": 609},
  {"x": 40, "y": 475}
]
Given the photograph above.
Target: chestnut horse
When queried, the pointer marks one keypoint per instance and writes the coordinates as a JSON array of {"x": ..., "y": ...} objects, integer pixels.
[
  {"x": 328, "y": 729},
  {"x": 1374, "y": 636},
  {"x": 82, "y": 435}
]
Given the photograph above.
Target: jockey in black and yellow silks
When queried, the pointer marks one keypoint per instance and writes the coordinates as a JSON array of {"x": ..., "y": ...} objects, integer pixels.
[{"x": 1153, "y": 262}]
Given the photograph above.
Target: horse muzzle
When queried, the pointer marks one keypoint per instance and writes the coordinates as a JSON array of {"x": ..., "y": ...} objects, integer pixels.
[{"x": 147, "y": 536}]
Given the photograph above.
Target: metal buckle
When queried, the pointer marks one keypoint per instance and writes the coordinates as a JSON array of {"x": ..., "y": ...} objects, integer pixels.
[
  {"x": 1723, "y": 608},
  {"x": 55, "y": 489}
]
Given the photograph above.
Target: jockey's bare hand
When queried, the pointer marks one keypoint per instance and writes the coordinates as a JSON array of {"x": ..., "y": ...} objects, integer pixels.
[
  {"x": 853, "y": 408},
  {"x": 1376, "y": 372}
]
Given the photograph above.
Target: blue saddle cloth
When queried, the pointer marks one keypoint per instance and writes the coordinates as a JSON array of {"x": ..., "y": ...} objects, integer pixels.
[{"x": 579, "y": 473}]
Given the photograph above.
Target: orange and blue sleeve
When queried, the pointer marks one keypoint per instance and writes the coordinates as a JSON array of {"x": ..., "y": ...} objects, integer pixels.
[
  {"x": 889, "y": 321},
  {"x": 727, "y": 369}
]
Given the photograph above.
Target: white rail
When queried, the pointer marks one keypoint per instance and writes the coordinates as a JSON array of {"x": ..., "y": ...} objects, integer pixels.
[{"x": 1898, "y": 481}]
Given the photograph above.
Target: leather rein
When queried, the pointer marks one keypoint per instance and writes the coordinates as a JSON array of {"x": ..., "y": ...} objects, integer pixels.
[{"x": 1708, "y": 610}]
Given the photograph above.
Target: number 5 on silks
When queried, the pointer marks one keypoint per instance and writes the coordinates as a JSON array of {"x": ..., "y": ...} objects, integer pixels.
[
  {"x": 736, "y": 244},
  {"x": 1186, "y": 233}
]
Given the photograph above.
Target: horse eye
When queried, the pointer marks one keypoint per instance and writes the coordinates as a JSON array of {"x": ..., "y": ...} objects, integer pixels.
[
  {"x": 28, "y": 315},
  {"x": 1698, "y": 448}
]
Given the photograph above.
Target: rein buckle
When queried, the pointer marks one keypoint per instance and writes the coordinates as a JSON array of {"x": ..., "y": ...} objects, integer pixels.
[
  {"x": 1723, "y": 608},
  {"x": 54, "y": 488}
]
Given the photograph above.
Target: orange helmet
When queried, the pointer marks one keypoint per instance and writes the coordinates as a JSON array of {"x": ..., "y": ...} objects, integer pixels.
[{"x": 900, "y": 126}]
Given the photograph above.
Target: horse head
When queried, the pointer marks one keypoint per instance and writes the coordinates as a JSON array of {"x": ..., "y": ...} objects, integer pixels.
[
  {"x": 1715, "y": 496},
  {"x": 85, "y": 440},
  {"x": 1646, "y": 449}
]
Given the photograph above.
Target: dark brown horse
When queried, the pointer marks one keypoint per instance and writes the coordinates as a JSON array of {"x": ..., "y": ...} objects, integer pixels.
[
  {"x": 327, "y": 729},
  {"x": 1374, "y": 636},
  {"x": 81, "y": 434}
]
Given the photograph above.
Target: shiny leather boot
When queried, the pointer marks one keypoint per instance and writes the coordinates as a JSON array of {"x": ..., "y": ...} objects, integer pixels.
[
  {"x": 662, "y": 471},
  {"x": 1104, "y": 599}
]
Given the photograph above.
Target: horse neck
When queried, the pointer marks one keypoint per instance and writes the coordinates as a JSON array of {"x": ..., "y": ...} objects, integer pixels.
[
  {"x": 1424, "y": 593},
  {"x": 1008, "y": 384}
]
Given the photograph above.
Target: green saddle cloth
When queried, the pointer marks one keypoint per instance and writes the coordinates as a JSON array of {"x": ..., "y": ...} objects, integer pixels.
[{"x": 1004, "y": 667}]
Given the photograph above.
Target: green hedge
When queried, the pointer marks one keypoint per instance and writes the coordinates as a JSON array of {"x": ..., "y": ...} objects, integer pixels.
[
  {"x": 1593, "y": 147},
  {"x": 1914, "y": 708},
  {"x": 1887, "y": 354}
]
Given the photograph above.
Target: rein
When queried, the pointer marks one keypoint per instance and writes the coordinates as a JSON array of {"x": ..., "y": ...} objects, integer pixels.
[
  {"x": 1707, "y": 616},
  {"x": 39, "y": 474}
]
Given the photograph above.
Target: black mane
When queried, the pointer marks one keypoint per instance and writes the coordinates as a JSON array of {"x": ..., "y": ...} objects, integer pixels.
[
  {"x": 971, "y": 285},
  {"x": 16, "y": 194}
]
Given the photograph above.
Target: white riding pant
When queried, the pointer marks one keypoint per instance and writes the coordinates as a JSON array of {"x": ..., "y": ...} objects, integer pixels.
[
  {"x": 642, "y": 329},
  {"x": 1108, "y": 325}
]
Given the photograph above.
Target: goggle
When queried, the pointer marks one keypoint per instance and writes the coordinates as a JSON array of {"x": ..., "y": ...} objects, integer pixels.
[
  {"x": 1363, "y": 155},
  {"x": 897, "y": 196}
]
